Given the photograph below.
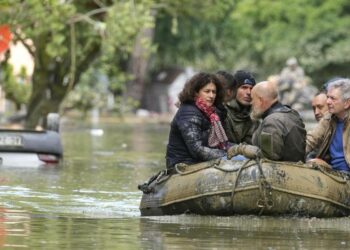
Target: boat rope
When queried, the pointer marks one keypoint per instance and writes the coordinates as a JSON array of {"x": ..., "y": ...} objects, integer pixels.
[
  {"x": 341, "y": 178},
  {"x": 235, "y": 169},
  {"x": 265, "y": 200},
  {"x": 162, "y": 176},
  {"x": 148, "y": 186},
  {"x": 184, "y": 169},
  {"x": 236, "y": 181}
]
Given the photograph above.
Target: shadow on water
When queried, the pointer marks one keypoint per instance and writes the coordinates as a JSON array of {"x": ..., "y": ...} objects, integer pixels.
[{"x": 91, "y": 202}]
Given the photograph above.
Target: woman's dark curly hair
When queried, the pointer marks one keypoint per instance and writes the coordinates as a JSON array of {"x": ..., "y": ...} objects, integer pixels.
[{"x": 196, "y": 83}]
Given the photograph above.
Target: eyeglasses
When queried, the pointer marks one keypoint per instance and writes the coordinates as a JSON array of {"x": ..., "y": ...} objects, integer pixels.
[{"x": 249, "y": 81}]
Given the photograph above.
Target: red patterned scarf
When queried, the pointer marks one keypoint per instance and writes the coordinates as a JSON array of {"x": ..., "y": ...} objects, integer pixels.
[{"x": 217, "y": 136}]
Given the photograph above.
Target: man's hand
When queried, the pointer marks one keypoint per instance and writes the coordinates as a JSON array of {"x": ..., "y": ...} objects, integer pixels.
[
  {"x": 232, "y": 151},
  {"x": 248, "y": 151},
  {"x": 320, "y": 162}
]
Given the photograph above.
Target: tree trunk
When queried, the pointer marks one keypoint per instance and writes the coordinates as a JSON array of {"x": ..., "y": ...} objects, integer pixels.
[
  {"x": 49, "y": 87},
  {"x": 41, "y": 108},
  {"x": 46, "y": 97},
  {"x": 138, "y": 67}
]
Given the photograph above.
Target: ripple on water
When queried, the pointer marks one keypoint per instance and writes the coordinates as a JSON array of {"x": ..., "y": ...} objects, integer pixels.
[{"x": 78, "y": 203}]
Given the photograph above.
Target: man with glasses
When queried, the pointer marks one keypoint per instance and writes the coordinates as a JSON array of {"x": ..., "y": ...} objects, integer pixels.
[
  {"x": 331, "y": 137},
  {"x": 238, "y": 125}
]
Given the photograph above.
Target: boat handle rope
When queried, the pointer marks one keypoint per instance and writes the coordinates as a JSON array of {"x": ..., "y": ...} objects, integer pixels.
[
  {"x": 339, "y": 179},
  {"x": 264, "y": 187},
  {"x": 162, "y": 176},
  {"x": 211, "y": 163},
  {"x": 265, "y": 200},
  {"x": 245, "y": 165},
  {"x": 236, "y": 181}
]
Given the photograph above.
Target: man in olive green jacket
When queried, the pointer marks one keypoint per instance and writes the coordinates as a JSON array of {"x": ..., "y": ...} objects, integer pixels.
[
  {"x": 280, "y": 136},
  {"x": 238, "y": 125},
  {"x": 331, "y": 137}
]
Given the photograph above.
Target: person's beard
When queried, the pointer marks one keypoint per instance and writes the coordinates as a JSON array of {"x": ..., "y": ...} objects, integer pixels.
[{"x": 255, "y": 114}]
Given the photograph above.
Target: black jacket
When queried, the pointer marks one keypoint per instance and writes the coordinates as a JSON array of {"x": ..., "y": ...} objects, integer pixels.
[
  {"x": 281, "y": 136},
  {"x": 188, "y": 138}
]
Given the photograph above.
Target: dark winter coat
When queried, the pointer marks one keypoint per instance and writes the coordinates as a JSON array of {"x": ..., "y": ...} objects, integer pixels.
[
  {"x": 188, "y": 138},
  {"x": 281, "y": 136}
]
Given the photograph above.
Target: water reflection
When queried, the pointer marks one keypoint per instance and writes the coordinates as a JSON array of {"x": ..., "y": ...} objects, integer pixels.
[
  {"x": 14, "y": 226},
  {"x": 249, "y": 232}
]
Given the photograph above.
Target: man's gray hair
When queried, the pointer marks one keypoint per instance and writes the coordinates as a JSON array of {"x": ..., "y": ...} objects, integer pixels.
[{"x": 344, "y": 85}]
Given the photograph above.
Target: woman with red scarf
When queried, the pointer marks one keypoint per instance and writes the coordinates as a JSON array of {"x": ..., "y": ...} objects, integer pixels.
[{"x": 196, "y": 132}]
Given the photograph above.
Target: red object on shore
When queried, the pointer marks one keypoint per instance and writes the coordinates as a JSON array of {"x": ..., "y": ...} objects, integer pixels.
[{"x": 5, "y": 37}]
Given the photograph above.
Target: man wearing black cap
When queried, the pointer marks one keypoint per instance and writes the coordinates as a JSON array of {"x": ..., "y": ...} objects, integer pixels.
[{"x": 238, "y": 125}]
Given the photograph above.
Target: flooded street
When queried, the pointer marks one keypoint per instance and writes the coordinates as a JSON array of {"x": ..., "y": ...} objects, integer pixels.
[{"x": 91, "y": 202}]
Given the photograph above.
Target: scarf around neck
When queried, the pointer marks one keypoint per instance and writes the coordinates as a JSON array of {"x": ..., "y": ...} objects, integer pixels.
[{"x": 217, "y": 136}]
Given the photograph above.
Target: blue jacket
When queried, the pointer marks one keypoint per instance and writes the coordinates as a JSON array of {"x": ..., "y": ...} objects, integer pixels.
[{"x": 188, "y": 138}]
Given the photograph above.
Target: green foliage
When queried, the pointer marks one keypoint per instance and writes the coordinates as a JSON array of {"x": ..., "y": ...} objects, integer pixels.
[
  {"x": 122, "y": 106},
  {"x": 125, "y": 21},
  {"x": 34, "y": 18},
  {"x": 87, "y": 95},
  {"x": 17, "y": 88},
  {"x": 122, "y": 27},
  {"x": 109, "y": 73},
  {"x": 259, "y": 36},
  {"x": 70, "y": 36},
  {"x": 187, "y": 33},
  {"x": 67, "y": 37},
  {"x": 94, "y": 91}
]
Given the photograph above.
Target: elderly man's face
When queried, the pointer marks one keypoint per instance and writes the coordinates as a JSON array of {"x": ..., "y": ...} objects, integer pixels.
[
  {"x": 257, "y": 110},
  {"x": 319, "y": 105},
  {"x": 336, "y": 105}
]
